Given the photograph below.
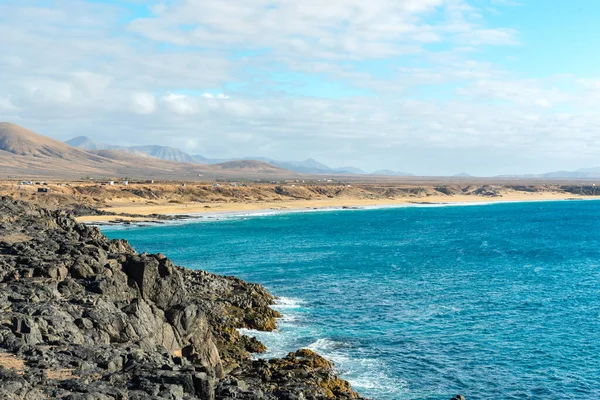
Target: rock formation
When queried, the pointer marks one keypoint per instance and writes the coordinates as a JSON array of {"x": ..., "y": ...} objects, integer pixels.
[{"x": 84, "y": 317}]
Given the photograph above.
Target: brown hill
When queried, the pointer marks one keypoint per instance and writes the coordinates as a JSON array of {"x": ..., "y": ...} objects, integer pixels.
[
  {"x": 250, "y": 165},
  {"x": 118, "y": 155},
  {"x": 23, "y": 142},
  {"x": 25, "y": 154}
]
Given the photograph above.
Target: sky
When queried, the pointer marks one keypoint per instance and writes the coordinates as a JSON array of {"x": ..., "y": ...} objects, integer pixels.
[{"x": 431, "y": 87}]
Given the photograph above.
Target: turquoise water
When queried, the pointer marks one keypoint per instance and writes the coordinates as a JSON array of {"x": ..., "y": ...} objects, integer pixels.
[{"x": 496, "y": 302}]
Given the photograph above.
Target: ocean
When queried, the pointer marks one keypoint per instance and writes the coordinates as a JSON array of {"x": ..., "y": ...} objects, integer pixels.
[{"x": 497, "y": 301}]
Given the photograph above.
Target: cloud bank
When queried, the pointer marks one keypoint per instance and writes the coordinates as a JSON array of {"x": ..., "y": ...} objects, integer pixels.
[{"x": 403, "y": 85}]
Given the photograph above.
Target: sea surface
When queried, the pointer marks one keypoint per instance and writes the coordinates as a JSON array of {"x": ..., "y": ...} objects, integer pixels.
[{"x": 498, "y": 301}]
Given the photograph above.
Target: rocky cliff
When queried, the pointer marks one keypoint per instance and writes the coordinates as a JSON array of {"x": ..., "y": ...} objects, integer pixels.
[{"x": 84, "y": 317}]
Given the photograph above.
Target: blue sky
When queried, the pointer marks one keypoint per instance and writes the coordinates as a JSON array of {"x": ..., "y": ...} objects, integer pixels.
[
  {"x": 557, "y": 38},
  {"x": 433, "y": 87}
]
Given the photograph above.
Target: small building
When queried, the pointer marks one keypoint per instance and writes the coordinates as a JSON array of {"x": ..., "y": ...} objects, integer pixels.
[
  {"x": 110, "y": 183},
  {"x": 43, "y": 190},
  {"x": 126, "y": 183}
]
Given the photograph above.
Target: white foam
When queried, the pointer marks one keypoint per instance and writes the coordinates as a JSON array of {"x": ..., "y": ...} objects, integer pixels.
[
  {"x": 362, "y": 373},
  {"x": 325, "y": 344},
  {"x": 288, "y": 318},
  {"x": 287, "y": 303},
  {"x": 284, "y": 339},
  {"x": 207, "y": 217}
]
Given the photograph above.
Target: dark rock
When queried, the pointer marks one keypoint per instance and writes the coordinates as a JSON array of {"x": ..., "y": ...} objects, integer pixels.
[{"x": 84, "y": 317}]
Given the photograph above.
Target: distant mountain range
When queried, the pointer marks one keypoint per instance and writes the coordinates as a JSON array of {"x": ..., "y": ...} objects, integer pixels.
[
  {"x": 582, "y": 173},
  {"x": 308, "y": 166},
  {"x": 24, "y": 153},
  {"x": 161, "y": 152},
  {"x": 579, "y": 173}
]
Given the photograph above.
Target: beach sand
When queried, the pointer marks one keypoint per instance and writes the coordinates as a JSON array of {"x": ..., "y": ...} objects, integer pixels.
[{"x": 194, "y": 208}]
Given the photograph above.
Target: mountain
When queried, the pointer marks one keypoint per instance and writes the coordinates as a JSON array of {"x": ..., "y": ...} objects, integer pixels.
[
  {"x": 585, "y": 173},
  {"x": 389, "y": 172},
  {"x": 165, "y": 153},
  {"x": 308, "y": 166},
  {"x": 18, "y": 141},
  {"x": 589, "y": 170},
  {"x": 24, "y": 153},
  {"x": 582, "y": 173},
  {"x": 349, "y": 170},
  {"x": 160, "y": 152},
  {"x": 84, "y": 142},
  {"x": 463, "y": 175},
  {"x": 249, "y": 165}
]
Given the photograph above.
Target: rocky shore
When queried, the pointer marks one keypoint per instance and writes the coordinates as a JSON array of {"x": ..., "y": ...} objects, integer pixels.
[{"x": 84, "y": 317}]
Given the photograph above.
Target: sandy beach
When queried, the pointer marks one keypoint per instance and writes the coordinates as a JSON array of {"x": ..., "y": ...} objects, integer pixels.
[
  {"x": 139, "y": 202},
  {"x": 192, "y": 208}
]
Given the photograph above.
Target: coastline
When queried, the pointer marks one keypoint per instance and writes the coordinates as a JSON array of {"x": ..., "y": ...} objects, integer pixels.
[
  {"x": 201, "y": 210},
  {"x": 177, "y": 337}
]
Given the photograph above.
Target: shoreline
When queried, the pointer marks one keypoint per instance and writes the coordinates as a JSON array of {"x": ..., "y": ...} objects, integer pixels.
[
  {"x": 176, "y": 337},
  {"x": 202, "y": 212}
]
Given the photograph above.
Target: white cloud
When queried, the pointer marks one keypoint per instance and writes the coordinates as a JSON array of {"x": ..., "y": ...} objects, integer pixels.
[
  {"x": 338, "y": 29},
  {"x": 64, "y": 73},
  {"x": 91, "y": 83},
  {"x": 143, "y": 103},
  {"x": 529, "y": 92},
  {"x": 180, "y": 104},
  {"x": 219, "y": 96}
]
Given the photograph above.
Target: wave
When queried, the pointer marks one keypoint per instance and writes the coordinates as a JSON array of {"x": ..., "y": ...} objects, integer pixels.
[
  {"x": 325, "y": 344},
  {"x": 362, "y": 372},
  {"x": 287, "y": 303}
]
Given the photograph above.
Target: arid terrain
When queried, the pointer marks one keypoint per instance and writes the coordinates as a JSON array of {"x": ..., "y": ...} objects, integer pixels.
[
  {"x": 29, "y": 155},
  {"x": 99, "y": 185},
  {"x": 136, "y": 200}
]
